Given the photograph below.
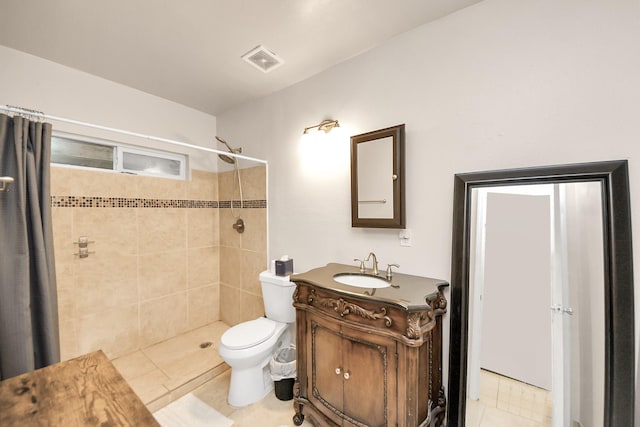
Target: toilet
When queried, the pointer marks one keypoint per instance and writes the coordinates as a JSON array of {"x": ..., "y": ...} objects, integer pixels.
[{"x": 249, "y": 346}]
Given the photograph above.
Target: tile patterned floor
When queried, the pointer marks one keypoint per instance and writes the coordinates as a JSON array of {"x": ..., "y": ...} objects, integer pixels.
[
  {"x": 167, "y": 371},
  {"x": 268, "y": 412},
  {"x": 507, "y": 402}
]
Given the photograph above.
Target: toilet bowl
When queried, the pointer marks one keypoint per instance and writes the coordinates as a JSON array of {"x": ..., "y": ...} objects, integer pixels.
[{"x": 249, "y": 346}]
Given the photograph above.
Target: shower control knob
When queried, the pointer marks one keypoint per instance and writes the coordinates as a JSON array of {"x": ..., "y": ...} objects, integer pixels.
[{"x": 239, "y": 226}]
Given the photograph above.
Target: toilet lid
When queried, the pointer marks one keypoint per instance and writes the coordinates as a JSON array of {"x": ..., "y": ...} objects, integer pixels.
[{"x": 248, "y": 334}]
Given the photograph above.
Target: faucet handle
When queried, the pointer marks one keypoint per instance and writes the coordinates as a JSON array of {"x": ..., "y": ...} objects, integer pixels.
[
  {"x": 361, "y": 261},
  {"x": 389, "y": 272}
]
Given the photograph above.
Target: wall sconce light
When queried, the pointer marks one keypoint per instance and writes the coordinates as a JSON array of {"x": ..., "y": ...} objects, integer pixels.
[{"x": 325, "y": 125}]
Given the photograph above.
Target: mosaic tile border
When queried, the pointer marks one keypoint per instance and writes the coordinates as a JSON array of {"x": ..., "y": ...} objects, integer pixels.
[{"x": 124, "y": 202}]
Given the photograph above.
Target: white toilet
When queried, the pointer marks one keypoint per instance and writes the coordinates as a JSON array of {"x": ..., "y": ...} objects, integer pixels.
[{"x": 249, "y": 346}]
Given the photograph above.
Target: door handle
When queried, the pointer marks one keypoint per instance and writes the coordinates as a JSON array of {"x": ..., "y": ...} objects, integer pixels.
[{"x": 563, "y": 310}]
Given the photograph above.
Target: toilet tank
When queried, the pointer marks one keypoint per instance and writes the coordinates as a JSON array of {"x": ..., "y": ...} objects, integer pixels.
[{"x": 277, "y": 292}]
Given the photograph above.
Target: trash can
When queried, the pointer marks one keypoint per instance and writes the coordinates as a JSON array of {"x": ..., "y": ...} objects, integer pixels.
[{"x": 283, "y": 372}]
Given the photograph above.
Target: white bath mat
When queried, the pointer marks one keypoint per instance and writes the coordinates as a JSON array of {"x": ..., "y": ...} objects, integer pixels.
[{"x": 189, "y": 411}]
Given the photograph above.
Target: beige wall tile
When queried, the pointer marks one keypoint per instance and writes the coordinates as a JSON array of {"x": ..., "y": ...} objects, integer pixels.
[
  {"x": 162, "y": 274},
  {"x": 229, "y": 305},
  {"x": 68, "y": 340},
  {"x": 251, "y": 307},
  {"x": 203, "y": 186},
  {"x": 227, "y": 187},
  {"x": 163, "y": 318},
  {"x": 204, "y": 305},
  {"x": 161, "y": 230},
  {"x": 105, "y": 282},
  {"x": 103, "y": 184},
  {"x": 142, "y": 268},
  {"x": 254, "y": 237},
  {"x": 61, "y": 181},
  {"x": 203, "y": 266},
  {"x": 113, "y": 230},
  {"x": 63, "y": 246},
  {"x": 253, "y": 263},
  {"x": 203, "y": 227},
  {"x": 230, "y": 266},
  {"x": 228, "y": 235},
  {"x": 115, "y": 331},
  {"x": 65, "y": 275},
  {"x": 161, "y": 188},
  {"x": 254, "y": 183},
  {"x": 66, "y": 290},
  {"x": 67, "y": 300}
]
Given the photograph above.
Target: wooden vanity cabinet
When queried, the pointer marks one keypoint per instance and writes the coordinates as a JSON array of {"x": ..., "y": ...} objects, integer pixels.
[
  {"x": 353, "y": 373},
  {"x": 363, "y": 362}
]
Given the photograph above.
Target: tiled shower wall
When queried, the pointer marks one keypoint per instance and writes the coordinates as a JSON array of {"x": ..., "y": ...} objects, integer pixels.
[{"x": 161, "y": 248}]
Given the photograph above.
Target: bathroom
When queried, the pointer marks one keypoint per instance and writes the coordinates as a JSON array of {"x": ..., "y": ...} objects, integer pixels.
[{"x": 493, "y": 86}]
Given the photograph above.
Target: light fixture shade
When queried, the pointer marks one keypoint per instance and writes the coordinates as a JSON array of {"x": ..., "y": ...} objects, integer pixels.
[{"x": 325, "y": 125}]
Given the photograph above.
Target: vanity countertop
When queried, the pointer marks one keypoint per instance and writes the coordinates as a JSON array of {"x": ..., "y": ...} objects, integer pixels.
[{"x": 407, "y": 291}]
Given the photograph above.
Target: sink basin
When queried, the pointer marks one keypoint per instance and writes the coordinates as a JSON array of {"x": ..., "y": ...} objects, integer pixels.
[{"x": 361, "y": 280}]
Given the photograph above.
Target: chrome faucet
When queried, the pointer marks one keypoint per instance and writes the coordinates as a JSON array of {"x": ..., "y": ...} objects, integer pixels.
[{"x": 374, "y": 263}]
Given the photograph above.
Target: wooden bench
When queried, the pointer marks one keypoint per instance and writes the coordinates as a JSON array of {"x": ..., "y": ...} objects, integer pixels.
[{"x": 85, "y": 391}]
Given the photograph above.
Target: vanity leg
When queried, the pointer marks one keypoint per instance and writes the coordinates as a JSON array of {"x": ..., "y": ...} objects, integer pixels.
[
  {"x": 441, "y": 408},
  {"x": 298, "y": 418}
]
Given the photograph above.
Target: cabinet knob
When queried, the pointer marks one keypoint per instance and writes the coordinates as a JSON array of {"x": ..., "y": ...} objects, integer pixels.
[
  {"x": 346, "y": 375},
  {"x": 338, "y": 370}
]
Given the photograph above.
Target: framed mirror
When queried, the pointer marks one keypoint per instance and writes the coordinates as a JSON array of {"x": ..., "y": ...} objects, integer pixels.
[
  {"x": 603, "y": 283},
  {"x": 377, "y": 179}
]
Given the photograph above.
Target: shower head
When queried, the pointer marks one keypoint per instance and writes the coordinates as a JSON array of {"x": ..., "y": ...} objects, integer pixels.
[{"x": 225, "y": 158}]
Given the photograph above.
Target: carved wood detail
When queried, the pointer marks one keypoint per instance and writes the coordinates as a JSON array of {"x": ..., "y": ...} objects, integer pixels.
[
  {"x": 344, "y": 308},
  {"x": 414, "y": 331}
]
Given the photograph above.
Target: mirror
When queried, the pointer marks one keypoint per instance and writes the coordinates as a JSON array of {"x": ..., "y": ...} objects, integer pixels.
[
  {"x": 608, "y": 304},
  {"x": 377, "y": 179}
]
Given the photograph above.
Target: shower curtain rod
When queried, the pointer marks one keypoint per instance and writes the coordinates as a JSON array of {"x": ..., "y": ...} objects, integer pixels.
[{"x": 43, "y": 116}]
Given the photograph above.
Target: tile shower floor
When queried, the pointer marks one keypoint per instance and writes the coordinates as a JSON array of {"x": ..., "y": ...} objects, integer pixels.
[{"x": 166, "y": 371}]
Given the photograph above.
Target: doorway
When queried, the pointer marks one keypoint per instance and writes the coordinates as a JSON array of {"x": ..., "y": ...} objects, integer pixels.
[{"x": 534, "y": 271}]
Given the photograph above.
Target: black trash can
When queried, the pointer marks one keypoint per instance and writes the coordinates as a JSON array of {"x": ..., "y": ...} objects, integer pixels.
[
  {"x": 283, "y": 372},
  {"x": 284, "y": 388}
]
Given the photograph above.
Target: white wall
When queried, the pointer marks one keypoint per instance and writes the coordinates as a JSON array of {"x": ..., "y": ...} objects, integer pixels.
[
  {"x": 586, "y": 294},
  {"x": 31, "y": 82},
  {"x": 502, "y": 84}
]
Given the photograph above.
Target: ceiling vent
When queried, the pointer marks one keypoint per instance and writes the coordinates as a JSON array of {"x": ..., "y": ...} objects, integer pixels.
[{"x": 263, "y": 59}]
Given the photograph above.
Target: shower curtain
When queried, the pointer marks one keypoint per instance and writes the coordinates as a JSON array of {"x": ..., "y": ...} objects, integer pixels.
[{"x": 28, "y": 298}]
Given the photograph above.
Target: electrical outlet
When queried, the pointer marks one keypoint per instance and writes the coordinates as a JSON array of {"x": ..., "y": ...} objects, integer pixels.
[{"x": 405, "y": 237}]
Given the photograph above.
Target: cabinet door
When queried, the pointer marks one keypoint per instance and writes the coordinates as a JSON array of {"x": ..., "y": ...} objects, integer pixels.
[
  {"x": 369, "y": 379},
  {"x": 325, "y": 367}
]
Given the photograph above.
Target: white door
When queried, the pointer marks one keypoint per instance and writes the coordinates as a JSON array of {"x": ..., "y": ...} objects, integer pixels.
[{"x": 516, "y": 324}]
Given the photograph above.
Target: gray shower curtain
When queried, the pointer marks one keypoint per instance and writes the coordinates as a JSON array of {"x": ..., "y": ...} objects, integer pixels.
[{"x": 28, "y": 298}]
